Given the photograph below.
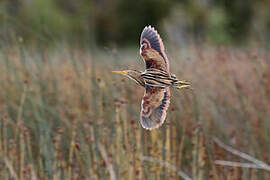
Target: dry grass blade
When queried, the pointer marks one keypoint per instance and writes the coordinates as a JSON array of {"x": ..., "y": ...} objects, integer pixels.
[
  {"x": 256, "y": 162},
  {"x": 108, "y": 163},
  {"x": 237, "y": 164},
  {"x": 195, "y": 151},
  {"x": 11, "y": 169},
  {"x": 172, "y": 167},
  {"x": 33, "y": 174}
]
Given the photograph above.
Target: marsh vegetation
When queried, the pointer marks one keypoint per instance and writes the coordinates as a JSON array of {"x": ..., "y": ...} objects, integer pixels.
[{"x": 64, "y": 115}]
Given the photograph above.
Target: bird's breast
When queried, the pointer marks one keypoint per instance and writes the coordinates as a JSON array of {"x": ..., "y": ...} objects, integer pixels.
[{"x": 157, "y": 78}]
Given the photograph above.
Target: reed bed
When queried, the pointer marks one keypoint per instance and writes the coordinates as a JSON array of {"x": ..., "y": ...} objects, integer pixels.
[{"x": 64, "y": 115}]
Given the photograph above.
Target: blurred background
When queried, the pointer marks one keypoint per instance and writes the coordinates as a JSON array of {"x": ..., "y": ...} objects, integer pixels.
[
  {"x": 119, "y": 22},
  {"x": 64, "y": 115}
]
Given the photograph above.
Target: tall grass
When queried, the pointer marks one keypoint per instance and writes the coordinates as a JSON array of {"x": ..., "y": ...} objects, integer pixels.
[{"x": 65, "y": 116}]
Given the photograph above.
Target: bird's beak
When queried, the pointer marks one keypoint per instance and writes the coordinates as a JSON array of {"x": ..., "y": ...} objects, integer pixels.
[{"x": 120, "y": 72}]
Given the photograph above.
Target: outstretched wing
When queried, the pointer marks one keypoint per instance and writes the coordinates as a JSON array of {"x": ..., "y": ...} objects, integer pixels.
[
  {"x": 152, "y": 50},
  {"x": 155, "y": 103}
]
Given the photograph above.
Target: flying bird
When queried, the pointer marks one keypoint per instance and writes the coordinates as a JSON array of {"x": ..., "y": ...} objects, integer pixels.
[{"x": 156, "y": 79}]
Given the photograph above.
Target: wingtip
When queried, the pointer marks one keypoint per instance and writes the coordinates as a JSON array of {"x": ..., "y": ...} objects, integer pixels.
[
  {"x": 146, "y": 27},
  {"x": 152, "y": 128},
  {"x": 149, "y": 27},
  {"x": 152, "y": 28}
]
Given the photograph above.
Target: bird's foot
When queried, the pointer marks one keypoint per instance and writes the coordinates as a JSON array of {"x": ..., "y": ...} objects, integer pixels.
[{"x": 183, "y": 84}]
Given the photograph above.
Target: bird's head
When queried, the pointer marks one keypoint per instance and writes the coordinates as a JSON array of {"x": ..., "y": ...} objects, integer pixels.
[{"x": 132, "y": 74}]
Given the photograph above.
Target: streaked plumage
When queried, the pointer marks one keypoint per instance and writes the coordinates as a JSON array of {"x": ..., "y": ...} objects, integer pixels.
[{"x": 156, "y": 79}]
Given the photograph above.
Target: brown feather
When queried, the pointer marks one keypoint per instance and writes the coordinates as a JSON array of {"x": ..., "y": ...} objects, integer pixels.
[
  {"x": 150, "y": 39},
  {"x": 154, "y": 106}
]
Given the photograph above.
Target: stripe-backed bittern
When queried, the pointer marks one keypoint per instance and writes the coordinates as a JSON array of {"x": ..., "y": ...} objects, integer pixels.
[{"x": 156, "y": 79}]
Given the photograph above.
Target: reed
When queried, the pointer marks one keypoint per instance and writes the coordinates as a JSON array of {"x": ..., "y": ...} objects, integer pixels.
[{"x": 65, "y": 116}]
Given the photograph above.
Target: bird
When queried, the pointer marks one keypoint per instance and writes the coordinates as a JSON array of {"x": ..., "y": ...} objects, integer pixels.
[{"x": 156, "y": 79}]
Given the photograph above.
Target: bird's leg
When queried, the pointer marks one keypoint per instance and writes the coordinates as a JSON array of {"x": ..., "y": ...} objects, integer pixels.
[{"x": 182, "y": 84}]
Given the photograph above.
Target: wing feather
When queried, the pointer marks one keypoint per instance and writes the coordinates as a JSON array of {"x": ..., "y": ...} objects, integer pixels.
[
  {"x": 156, "y": 46},
  {"x": 154, "y": 106}
]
